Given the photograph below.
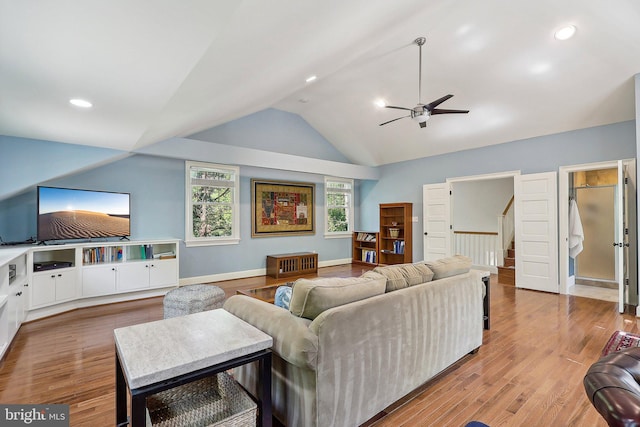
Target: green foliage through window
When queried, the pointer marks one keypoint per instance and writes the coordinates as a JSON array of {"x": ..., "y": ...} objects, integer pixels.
[
  {"x": 339, "y": 201},
  {"x": 213, "y": 201}
]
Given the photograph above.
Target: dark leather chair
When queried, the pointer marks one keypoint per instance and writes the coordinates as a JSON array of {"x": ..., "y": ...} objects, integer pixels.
[{"x": 613, "y": 387}]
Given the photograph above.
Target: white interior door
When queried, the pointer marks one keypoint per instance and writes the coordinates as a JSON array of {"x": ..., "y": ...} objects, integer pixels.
[
  {"x": 536, "y": 230},
  {"x": 436, "y": 210}
]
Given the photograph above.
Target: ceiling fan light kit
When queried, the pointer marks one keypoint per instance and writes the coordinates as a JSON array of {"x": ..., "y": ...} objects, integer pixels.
[{"x": 422, "y": 112}]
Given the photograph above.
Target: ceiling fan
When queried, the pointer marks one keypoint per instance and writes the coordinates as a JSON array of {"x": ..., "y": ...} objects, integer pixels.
[{"x": 422, "y": 112}]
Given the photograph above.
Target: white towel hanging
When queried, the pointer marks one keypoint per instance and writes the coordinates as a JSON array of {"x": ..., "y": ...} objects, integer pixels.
[{"x": 576, "y": 234}]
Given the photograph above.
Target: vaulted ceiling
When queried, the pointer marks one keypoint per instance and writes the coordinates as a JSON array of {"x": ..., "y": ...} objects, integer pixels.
[{"x": 155, "y": 69}]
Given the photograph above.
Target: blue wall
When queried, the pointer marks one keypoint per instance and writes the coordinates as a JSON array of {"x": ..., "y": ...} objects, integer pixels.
[
  {"x": 273, "y": 130},
  {"x": 27, "y": 162},
  {"x": 402, "y": 182},
  {"x": 157, "y": 188}
]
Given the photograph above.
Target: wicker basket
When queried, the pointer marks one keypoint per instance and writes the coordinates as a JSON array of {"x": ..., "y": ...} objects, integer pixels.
[{"x": 211, "y": 401}]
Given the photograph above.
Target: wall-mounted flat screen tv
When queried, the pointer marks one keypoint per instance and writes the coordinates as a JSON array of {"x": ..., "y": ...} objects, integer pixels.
[{"x": 65, "y": 214}]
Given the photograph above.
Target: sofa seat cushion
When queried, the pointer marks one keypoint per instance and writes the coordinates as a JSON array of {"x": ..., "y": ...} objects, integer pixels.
[
  {"x": 311, "y": 297},
  {"x": 450, "y": 266}
]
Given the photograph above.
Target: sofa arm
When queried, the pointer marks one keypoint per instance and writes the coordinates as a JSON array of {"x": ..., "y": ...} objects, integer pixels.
[{"x": 292, "y": 339}]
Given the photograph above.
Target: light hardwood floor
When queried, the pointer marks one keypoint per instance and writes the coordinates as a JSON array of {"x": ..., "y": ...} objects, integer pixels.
[{"x": 527, "y": 373}]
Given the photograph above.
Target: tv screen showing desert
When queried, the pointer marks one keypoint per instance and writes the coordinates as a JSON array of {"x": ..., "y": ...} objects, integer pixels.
[{"x": 74, "y": 214}]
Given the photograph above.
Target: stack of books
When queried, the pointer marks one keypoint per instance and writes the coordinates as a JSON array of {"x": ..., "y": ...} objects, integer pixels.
[{"x": 369, "y": 256}]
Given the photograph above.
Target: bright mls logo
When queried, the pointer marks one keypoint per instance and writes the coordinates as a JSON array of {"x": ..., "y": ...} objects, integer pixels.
[{"x": 34, "y": 415}]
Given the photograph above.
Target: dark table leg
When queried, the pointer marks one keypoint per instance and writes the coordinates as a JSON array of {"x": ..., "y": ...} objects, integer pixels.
[
  {"x": 485, "y": 303},
  {"x": 264, "y": 391},
  {"x": 138, "y": 410},
  {"x": 121, "y": 395}
]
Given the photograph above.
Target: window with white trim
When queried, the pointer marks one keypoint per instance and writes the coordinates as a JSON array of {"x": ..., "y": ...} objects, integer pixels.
[
  {"x": 338, "y": 196},
  {"x": 212, "y": 204}
]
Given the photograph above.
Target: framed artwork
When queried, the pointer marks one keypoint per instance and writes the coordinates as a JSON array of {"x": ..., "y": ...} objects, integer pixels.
[{"x": 280, "y": 208}]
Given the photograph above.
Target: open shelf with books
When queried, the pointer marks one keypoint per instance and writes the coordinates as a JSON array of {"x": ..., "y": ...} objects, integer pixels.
[
  {"x": 396, "y": 233},
  {"x": 365, "y": 247}
]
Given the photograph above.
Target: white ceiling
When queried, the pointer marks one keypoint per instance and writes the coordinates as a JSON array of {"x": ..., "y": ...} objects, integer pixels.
[{"x": 156, "y": 69}]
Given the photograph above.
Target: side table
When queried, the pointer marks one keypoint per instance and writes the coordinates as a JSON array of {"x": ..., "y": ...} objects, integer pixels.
[{"x": 156, "y": 356}]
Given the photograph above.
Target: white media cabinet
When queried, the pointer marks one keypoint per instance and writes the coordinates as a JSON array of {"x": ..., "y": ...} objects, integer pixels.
[{"x": 53, "y": 279}]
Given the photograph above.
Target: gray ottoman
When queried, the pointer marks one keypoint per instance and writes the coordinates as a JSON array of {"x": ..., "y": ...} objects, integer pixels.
[{"x": 192, "y": 299}]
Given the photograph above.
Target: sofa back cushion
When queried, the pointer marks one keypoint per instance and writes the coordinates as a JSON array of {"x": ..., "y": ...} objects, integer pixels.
[
  {"x": 395, "y": 279},
  {"x": 401, "y": 276},
  {"x": 451, "y": 266},
  {"x": 311, "y": 297},
  {"x": 424, "y": 271}
]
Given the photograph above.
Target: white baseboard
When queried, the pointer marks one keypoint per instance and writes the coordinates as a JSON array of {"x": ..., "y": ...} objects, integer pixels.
[
  {"x": 39, "y": 313},
  {"x": 248, "y": 273}
]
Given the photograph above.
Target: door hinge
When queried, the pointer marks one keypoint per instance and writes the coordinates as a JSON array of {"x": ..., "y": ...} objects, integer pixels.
[
  {"x": 450, "y": 226},
  {"x": 450, "y": 193},
  {"x": 626, "y": 282},
  {"x": 626, "y": 231},
  {"x": 626, "y": 180}
]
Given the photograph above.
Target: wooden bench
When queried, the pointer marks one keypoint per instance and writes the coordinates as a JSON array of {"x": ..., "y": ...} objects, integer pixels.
[{"x": 294, "y": 264}]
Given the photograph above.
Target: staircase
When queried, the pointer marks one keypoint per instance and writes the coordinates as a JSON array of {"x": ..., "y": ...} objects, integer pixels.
[{"x": 507, "y": 272}]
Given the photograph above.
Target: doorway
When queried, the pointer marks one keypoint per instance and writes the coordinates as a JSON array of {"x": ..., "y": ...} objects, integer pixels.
[{"x": 600, "y": 199}]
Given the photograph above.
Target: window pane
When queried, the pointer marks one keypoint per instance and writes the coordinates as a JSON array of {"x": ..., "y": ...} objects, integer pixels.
[
  {"x": 337, "y": 199},
  {"x": 212, "y": 220},
  {"x": 342, "y": 185},
  {"x": 214, "y": 175},
  {"x": 207, "y": 194},
  {"x": 338, "y": 219}
]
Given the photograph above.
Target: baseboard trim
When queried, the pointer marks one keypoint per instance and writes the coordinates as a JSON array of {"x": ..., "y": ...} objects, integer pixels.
[
  {"x": 52, "y": 310},
  {"x": 249, "y": 273}
]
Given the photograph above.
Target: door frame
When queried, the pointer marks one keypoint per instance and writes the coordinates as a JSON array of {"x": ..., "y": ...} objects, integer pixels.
[
  {"x": 483, "y": 177},
  {"x": 450, "y": 181},
  {"x": 563, "y": 213}
]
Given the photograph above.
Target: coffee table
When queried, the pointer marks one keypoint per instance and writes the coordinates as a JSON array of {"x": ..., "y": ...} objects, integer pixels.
[
  {"x": 156, "y": 356},
  {"x": 265, "y": 293}
]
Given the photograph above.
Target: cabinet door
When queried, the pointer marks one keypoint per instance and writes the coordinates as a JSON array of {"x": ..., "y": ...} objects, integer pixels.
[
  {"x": 98, "y": 280},
  {"x": 133, "y": 275},
  {"x": 14, "y": 305},
  {"x": 43, "y": 290},
  {"x": 163, "y": 273},
  {"x": 66, "y": 285}
]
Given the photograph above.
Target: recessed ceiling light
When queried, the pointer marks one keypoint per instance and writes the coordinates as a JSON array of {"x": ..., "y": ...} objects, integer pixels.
[
  {"x": 311, "y": 78},
  {"x": 380, "y": 103},
  {"x": 81, "y": 103},
  {"x": 565, "y": 33}
]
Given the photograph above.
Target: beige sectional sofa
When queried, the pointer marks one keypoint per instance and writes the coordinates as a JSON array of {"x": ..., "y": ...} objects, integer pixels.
[{"x": 349, "y": 347}]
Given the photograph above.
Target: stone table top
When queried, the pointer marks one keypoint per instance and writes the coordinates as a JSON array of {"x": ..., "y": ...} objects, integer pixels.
[{"x": 165, "y": 349}]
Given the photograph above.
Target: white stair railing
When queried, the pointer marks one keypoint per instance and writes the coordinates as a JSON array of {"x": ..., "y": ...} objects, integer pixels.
[
  {"x": 506, "y": 225},
  {"x": 482, "y": 247}
]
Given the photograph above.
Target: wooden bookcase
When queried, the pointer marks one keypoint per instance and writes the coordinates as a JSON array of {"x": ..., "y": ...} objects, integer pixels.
[
  {"x": 366, "y": 248},
  {"x": 396, "y": 231}
]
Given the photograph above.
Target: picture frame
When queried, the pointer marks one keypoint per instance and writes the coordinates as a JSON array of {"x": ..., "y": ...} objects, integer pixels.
[{"x": 282, "y": 208}]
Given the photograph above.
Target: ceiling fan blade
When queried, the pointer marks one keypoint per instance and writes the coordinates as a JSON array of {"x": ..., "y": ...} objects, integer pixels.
[
  {"x": 403, "y": 117},
  {"x": 445, "y": 111},
  {"x": 397, "y": 108},
  {"x": 430, "y": 106}
]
